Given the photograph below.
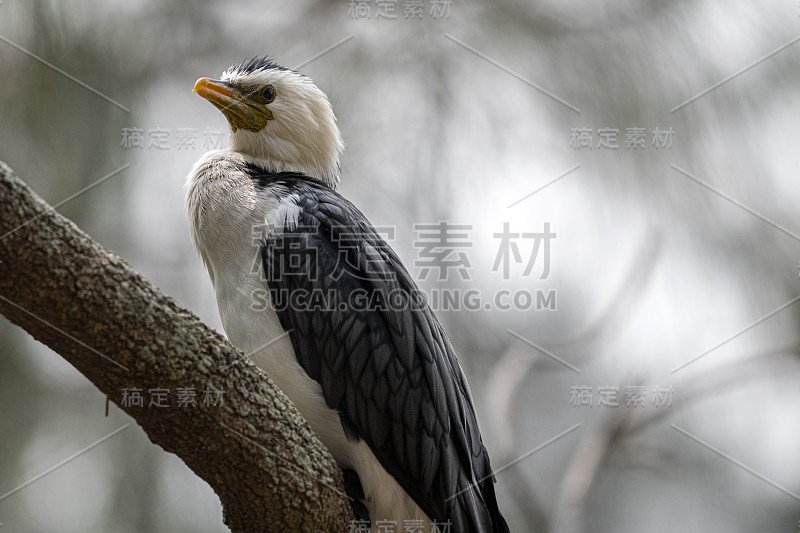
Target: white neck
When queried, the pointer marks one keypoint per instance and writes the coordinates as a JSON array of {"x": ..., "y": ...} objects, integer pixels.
[{"x": 325, "y": 169}]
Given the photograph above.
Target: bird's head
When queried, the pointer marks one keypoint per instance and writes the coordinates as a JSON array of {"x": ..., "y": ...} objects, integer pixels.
[{"x": 279, "y": 119}]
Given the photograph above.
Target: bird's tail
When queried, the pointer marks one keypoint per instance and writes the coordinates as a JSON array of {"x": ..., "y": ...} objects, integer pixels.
[{"x": 498, "y": 522}]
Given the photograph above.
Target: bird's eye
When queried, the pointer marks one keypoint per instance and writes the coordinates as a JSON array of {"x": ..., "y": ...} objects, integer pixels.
[{"x": 268, "y": 93}]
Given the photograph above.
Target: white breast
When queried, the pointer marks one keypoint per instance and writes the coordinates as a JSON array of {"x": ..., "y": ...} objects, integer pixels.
[{"x": 228, "y": 219}]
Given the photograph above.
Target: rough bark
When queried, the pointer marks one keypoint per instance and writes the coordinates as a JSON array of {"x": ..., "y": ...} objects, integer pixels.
[{"x": 87, "y": 304}]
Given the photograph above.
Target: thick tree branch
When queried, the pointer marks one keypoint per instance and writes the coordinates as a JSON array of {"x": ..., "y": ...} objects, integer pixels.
[{"x": 255, "y": 450}]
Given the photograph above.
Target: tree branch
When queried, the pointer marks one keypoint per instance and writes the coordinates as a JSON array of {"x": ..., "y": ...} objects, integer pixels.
[{"x": 269, "y": 469}]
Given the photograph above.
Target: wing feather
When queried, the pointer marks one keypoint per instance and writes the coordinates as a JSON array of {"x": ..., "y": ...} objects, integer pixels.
[{"x": 381, "y": 356}]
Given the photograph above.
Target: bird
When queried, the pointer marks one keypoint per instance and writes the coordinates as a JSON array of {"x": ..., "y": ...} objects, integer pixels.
[{"x": 306, "y": 284}]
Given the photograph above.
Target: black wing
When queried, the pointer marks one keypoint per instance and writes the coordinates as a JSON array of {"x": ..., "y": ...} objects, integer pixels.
[{"x": 360, "y": 327}]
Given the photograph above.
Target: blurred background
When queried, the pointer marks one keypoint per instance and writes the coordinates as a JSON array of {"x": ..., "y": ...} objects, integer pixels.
[{"x": 637, "y": 371}]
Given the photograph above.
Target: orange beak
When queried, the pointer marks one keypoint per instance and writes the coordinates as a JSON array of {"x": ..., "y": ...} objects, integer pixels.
[{"x": 240, "y": 112}]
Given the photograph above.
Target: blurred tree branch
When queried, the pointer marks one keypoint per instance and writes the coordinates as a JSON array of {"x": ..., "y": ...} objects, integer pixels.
[
  {"x": 509, "y": 374},
  {"x": 254, "y": 449},
  {"x": 614, "y": 434}
]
